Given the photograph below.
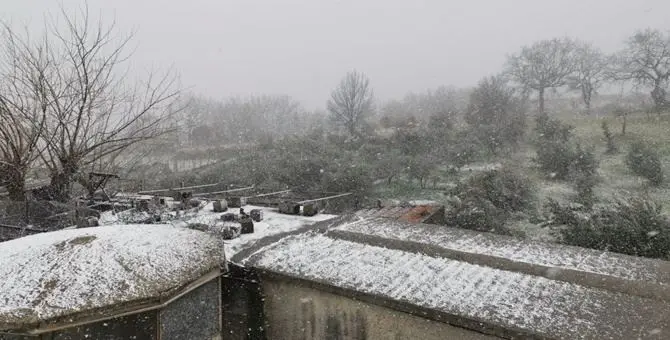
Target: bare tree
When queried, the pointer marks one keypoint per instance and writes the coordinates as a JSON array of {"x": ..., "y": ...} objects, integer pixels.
[
  {"x": 92, "y": 108},
  {"x": 646, "y": 61},
  {"x": 545, "y": 64},
  {"x": 351, "y": 102},
  {"x": 23, "y": 67},
  {"x": 591, "y": 71}
]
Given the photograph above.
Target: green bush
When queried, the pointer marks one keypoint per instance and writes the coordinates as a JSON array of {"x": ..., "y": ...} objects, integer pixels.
[
  {"x": 348, "y": 178},
  {"x": 643, "y": 161},
  {"x": 584, "y": 175},
  {"x": 495, "y": 114},
  {"x": 463, "y": 149},
  {"x": 555, "y": 158},
  {"x": 554, "y": 153},
  {"x": 477, "y": 213},
  {"x": 560, "y": 157},
  {"x": 550, "y": 129},
  {"x": 633, "y": 226},
  {"x": 486, "y": 200}
]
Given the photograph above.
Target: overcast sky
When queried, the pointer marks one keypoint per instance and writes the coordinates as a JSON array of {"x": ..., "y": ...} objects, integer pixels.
[{"x": 303, "y": 47}]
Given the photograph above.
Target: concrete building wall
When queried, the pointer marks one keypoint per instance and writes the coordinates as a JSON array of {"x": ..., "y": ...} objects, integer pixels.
[{"x": 302, "y": 313}]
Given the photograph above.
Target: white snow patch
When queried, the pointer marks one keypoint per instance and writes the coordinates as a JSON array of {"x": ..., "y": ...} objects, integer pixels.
[
  {"x": 273, "y": 223},
  {"x": 59, "y": 273}
]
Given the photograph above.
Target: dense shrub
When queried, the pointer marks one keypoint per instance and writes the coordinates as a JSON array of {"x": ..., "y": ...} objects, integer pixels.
[
  {"x": 477, "y": 213},
  {"x": 486, "y": 200},
  {"x": 461, "y": 148},
  {"x": 555, "y": 158},
  {"x": 633, "y": 226},
  {"x": 354, "y": 179},
  {"x": 584, "y": 170},
  {"x": 550, "y": 129},
  {"x": 554, "y": 153},
  {"x": 496, "y": 114},
  {"x": 505, "y": 188},
  {"x": 644, "y": 161},
  {"x": 559, "y": 157}
]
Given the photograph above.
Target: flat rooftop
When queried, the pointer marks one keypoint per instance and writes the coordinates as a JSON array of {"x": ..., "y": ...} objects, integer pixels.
[{"x": 490, "y": 283}]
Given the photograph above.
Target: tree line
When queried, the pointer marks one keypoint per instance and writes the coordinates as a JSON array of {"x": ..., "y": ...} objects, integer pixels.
[
  {"x": 70, "y": 104},
  {"x": 565, "y": 63}
]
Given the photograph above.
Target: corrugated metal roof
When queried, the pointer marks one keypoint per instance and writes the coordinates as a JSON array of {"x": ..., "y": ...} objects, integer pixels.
[
  {"x": 516, "y": 249},
  {"x": 386, "y": 258}
]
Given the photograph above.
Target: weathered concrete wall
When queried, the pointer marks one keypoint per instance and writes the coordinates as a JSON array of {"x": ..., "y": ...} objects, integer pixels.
[{"x": 302, "y": 313}]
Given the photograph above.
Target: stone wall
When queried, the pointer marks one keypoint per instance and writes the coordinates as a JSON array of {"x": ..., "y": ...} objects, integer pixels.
[{"x": 298, "y": 312}]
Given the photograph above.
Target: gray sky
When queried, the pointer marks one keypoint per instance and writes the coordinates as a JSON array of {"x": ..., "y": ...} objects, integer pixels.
[{"x": 303, "y": 47}]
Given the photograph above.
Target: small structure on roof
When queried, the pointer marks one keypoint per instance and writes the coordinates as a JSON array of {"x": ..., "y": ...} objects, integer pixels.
[
  {"x": 384, "y": 278},
  {"x": 121, "y": 281}
]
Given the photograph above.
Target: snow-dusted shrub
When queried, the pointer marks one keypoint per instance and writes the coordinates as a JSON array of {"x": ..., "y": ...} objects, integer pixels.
[
  {"x": 644, "y": 161},
  {"x": 633, "y": 226},
  {"x": 486, "y": 200}
]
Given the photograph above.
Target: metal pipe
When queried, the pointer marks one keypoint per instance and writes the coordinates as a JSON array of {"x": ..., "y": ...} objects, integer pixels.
[
  {"x": 221, "y": 192},
  {"x": 324, "y": 198}
]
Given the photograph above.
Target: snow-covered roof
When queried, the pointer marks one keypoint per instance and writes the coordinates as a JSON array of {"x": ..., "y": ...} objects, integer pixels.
[
  {"x": 401, "y": 262},
  {"x": 273, "y": 223},
  {"x": 52, "y": 275},
  {"x": 516, "y": 249}
]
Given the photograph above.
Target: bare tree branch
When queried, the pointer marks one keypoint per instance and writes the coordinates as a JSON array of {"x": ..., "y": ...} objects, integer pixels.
[
  {"x": 89, "y": 109},
  {"x": 545, "y": 64},
  {"x": 351, "y": 102},
  {"x": 646, "y": 62},
  {"x": 591, "y": 70}
]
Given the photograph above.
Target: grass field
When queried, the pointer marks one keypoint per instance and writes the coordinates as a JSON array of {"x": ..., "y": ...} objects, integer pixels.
[{"x": 615, "y": 179}]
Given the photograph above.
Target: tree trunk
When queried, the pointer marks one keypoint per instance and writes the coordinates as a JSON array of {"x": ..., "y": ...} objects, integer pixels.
[
  {"x": 623, "y": 126},
  {"x": 658, "y": 94},
  {"x": 540, "y": 98},
  {"x": 16, "y": 185},
  {"x": 586, "y": 97},
  {"x": 352, "y": 129},
  {"x": 59, "y": 186}
]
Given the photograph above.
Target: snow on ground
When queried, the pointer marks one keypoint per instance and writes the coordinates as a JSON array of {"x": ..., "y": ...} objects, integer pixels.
[
  {"x": 60, "y": 273},
  {"x": 273, "y": 223}
]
